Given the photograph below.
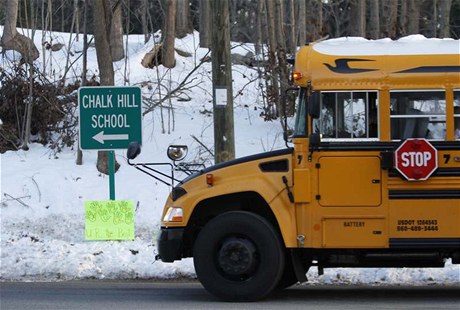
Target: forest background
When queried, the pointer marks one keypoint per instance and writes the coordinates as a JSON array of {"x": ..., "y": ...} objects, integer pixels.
[{"x": 35, "y": 106}]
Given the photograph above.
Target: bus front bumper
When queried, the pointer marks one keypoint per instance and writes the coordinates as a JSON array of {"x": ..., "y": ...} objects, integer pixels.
[{"x": 170, "y": 244}]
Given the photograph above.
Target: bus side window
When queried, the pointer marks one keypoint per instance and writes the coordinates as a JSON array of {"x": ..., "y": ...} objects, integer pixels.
[
  {"x": 417, "y": 114},
  {"x": 348, "y": 115}
]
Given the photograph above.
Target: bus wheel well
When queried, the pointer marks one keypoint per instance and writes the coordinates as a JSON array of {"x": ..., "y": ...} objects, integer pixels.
[{"x": 210, "y": 208}]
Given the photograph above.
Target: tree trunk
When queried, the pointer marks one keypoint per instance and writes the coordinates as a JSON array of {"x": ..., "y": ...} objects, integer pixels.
[
  {"x": 259, "y": 34},
  {"x": 444, "y": 18},
  {"x": 116, "y": 35},
  {"x": 145, "y": 27},
  {"x": 102, "y": 24},
  {"x": 272, "y": 81},
  {"x": 302, "y": 22},
  {"x": 402, "y": 19},
  {"x": 358, "y": 18},
  {"x": 28, "y": 116},
  {"x": 414, "y": 13},
  {"x": 183, "y": 20},
  {"x": 224, "y": 137},
  {"x": 313, "y": 15},
  {"x": 77, "y": 19},
  {"x": 319, "y": 24},
  {"x": 390, "y": 14},
  {"x": 79, "y": 160},
  {"x": 434, "y": 19},
  {"x": 291, "y": 27},
  {"x": 168, "y": 54},
  {"x": 374, "y": 17},
  {"x": 205, "y": 24},
  {"x": 30, "y": 99},
  {"x": 62, "y": 15},
  {"x": 12, "y": 40},
  {"x": 282, "y": 58}
]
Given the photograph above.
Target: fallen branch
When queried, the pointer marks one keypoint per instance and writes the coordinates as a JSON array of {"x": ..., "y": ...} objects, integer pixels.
[{"x": 11, "y": 198}]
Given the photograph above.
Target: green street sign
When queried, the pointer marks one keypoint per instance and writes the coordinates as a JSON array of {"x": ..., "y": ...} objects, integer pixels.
[{"x": 110, "y": 117}]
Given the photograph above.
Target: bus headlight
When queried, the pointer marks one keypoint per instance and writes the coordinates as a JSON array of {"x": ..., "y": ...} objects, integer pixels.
[{"x": 174, "y": 214}]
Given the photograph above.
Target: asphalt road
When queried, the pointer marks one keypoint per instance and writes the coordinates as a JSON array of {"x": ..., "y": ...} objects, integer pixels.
[{"x": 191, "y": 295}]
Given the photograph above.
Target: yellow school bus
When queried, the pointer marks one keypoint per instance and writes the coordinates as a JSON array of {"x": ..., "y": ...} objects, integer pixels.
[{"x": 372, "y": 178}]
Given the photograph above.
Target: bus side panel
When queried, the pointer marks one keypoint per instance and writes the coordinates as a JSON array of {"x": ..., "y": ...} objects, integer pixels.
[{"x": 424, "y": 218}]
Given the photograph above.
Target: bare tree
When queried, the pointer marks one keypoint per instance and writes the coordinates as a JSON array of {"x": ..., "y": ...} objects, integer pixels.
[
  {"x": 374, "y": 19},
  {"x": 12, "y": 40},
  {"x": 290, "y": 27},
  {"x": 444, "y": 7},
  {"x": 357, "y": 25},
  {"x": 183, "y": 20},
  {"x": 337, "y": 16},
  {"x": 102, "y": 26},
  {"x": 30, "y": 98},
  {"x": 302, "y": 22},
  {"x": 116, "y": 33},
  {"x": 144, "y": 11},
  {"x": 413, "y": 10},
  {"x": 205, "y": 23},
  {"x": 434, "y": 19},
  {"x": 402, "y": 18},
  {"x": 272, "y": 85},
  {"x": 313, "y": 12},
  {"x": 168, "y": 53},
  {"x": 388, "y": 18}
]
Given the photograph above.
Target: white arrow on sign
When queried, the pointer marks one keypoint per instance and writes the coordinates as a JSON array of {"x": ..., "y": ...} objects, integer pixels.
[{"x": 100, "y": 137}]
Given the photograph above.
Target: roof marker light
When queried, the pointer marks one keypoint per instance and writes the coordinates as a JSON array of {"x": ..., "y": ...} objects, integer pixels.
[
  {"x": 296, "y": 75},
  {"x": 209, "y": 179}
]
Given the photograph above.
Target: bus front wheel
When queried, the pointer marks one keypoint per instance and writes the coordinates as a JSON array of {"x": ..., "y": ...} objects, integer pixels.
[{"x": 238, "y": 256}]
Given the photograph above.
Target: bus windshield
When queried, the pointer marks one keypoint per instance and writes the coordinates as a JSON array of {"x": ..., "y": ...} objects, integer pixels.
[{"x": 300, "y": 127}]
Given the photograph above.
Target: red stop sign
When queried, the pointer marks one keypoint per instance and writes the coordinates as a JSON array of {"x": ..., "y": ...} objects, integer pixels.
[{"x": 416, "y": 159}]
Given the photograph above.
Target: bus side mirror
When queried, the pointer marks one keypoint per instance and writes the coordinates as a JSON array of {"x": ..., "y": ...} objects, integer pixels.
[
  {"x": 177, "y": 152},
  {"x": 314, "y": 105},
  {"x": 134, "y": 149}
]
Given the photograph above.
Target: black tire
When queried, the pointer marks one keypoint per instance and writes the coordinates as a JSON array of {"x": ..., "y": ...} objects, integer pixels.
[
  {"x": 288, "y": 277},
  {"x": 238, "y": 256}
]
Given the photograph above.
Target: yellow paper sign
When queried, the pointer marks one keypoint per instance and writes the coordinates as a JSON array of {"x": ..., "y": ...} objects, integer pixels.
[{"x": 109, "y": 220}]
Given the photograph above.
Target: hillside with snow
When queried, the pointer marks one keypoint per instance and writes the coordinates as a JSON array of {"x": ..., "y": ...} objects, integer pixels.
[{"x": 43, "y": 193}]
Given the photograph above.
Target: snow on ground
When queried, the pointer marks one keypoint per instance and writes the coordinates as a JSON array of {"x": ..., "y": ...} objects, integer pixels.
[{"x": 43, "y": 194}]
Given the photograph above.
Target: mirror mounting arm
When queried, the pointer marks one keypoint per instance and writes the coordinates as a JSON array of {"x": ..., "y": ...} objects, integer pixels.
[{"x": 314, "y": 142}]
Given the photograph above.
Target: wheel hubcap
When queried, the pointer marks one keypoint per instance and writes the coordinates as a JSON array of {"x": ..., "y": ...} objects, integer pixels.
[{"x": 237, "y": 256}]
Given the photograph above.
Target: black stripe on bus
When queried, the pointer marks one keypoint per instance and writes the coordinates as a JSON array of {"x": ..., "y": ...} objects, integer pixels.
[
  {"x": 424, "y": 243},
  {"x": 425, "y": 194},
  {"x": 440, "y": 172},
  {"x": 380, "y": 146},
  {"x": 432, "y": 69}
]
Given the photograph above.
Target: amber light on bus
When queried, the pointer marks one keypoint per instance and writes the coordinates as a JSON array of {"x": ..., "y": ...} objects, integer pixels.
[
  {"x": 209, "y": 179},
  {"x": 296, "y": 75}
]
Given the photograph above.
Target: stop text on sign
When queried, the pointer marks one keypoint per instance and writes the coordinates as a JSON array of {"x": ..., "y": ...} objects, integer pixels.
[{"x": 415, "y": 159}]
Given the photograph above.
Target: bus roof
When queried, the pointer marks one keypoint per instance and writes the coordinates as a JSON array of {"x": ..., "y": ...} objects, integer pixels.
[
  {"x": 410, "y": 45},
  {"x": 412, "y": 62}
]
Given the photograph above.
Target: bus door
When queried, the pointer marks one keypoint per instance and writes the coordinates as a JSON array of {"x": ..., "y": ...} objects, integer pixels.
[{"x": 347, "y": 180}]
